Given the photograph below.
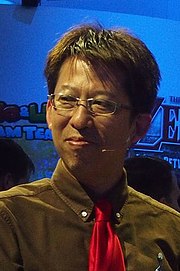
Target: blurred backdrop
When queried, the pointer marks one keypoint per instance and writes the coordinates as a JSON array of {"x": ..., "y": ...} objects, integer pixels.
[{"x": 28, "y": 33}]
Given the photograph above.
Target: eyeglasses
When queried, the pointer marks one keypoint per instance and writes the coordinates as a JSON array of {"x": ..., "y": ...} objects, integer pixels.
[{"x": 65, "y": 104}]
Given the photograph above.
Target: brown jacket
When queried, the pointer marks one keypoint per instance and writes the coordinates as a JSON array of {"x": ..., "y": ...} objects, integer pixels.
[{"x": 46, "y": 226}]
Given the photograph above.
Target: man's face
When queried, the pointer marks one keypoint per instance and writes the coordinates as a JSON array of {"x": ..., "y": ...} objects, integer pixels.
[{"x": 80, "y": 136}]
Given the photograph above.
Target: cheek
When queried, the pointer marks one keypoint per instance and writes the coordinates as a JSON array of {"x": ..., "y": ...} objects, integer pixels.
[
  {"x": 113, "y": 132},
  {"x": 59, "y": 122},
  {"x": 58, "y": 128}
]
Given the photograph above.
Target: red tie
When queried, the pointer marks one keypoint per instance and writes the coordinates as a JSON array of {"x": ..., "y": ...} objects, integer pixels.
[{"x": 105, "y": 252}]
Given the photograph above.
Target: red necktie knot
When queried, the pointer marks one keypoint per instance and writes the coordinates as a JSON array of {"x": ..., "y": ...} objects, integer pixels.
[{"x": 103, "y": 210}]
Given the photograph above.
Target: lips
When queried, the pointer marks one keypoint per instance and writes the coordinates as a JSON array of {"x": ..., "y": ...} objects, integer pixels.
[{"x": 79, "y": 141}]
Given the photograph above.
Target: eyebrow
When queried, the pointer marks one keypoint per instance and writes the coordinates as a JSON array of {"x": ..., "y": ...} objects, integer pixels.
[
  {"x": 98, "y": 91},
  {"x": 69, "y": 86}
]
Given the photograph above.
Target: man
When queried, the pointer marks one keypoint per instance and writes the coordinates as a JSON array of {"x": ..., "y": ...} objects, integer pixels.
[
  {"x": 102, "y": 86},
  {"x": 154, "y": 177},
  {"x": 16, "y": 166}
]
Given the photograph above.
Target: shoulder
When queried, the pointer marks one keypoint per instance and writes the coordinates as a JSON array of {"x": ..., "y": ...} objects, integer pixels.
[
  {"x": 24, "y": 200},
  {"x": 150, "y": 206},
  {"x": 26, "y": 190}
]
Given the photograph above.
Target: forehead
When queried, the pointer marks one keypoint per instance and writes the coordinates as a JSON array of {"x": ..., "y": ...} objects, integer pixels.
[{"x": 82, "y": 73}]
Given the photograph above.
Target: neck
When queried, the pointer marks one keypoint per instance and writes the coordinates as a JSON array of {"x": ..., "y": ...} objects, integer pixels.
[
  {"x": 97, "y": 180},
  {"x": 100, "y": 185}
]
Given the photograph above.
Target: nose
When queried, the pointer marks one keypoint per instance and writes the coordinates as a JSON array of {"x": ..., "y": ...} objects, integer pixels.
[{"x": 81, "y": 118}]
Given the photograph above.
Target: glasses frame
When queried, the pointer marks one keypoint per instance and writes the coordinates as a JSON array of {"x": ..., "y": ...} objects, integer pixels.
[{"x": 117, "y": 106}]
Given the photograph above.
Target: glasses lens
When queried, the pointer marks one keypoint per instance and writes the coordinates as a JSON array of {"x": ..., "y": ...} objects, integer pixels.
[
  {"x": 102, "y": 106},
  {"x": 65, "y": 102}
]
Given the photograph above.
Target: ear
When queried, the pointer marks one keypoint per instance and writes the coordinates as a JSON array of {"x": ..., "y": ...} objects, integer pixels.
[
  {"x": 49, "y": 113},
  {"x": 140, "y": 127}
]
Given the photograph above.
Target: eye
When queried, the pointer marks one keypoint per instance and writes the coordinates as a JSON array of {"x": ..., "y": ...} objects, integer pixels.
[
  {"x": 99, "y": 105},
  {"x": 66, "y": 98},
  {"x": 65, "y": 101}
]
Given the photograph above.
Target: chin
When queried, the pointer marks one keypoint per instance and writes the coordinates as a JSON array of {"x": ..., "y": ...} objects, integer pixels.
[{"x": 76, "y": 162}]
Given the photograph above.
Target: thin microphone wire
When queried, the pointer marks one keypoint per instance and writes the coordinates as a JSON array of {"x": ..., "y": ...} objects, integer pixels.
[
  {"x": 106, "y": 150},
  {"x": 112, "y": 150}
]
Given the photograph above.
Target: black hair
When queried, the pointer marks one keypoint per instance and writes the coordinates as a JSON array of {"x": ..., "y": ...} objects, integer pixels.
[
  {"x": 14, "y": 160},
  {"x": 111, "y": 53},
  {"x": 149, "y": 175}
]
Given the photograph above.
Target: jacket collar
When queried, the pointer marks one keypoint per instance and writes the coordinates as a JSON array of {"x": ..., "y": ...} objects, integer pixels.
[{"x": 81, "y": 201}]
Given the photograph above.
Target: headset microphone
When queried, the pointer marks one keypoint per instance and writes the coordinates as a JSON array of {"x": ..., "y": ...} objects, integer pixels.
[
  {"x": 106, "y": 150},
  {"x": 128, "y": 140},
  {"x": 112, "y": 150}
]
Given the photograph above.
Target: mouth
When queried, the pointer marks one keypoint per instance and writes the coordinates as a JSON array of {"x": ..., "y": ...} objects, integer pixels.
[{"x": 79, "y": 142}]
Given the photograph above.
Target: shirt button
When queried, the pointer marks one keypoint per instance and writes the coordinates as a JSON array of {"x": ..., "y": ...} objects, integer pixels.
[
  {"x": 84, "y": 214},
  {"x": 118, "y": 215}
]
